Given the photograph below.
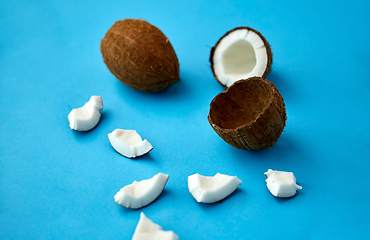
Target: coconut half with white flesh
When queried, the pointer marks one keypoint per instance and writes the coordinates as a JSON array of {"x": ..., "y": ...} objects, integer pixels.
[
  {"x": 212, "y": 189},
  {"x": 129, "y": 143},
  {"x": 148, "y": 230},
  {"x": 141, "y": 194},
  {"x": 240, "y": 54},
  {"x": 281, "y": 184},
  {"x": 87, "y": 117}
]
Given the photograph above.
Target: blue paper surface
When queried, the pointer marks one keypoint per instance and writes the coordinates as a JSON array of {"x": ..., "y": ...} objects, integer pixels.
[{"x": 56, "y": 183}]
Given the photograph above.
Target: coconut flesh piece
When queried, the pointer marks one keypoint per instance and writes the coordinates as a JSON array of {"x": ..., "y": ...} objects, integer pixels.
[
  {"x": 129, "y": 143},
  {"x": 212, "y": 189},
  {"x": 281, "y": 184},
  {"x": 240, "y": 54},
  {"x": 87, "y": 117},
  {"x": 141, "y": 194},
  {"x": 148, "y": 230}
]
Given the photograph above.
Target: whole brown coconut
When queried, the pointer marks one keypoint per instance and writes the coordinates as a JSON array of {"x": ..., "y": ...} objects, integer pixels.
[
  {"x": 140, "y": 55},
  {"x": 249, "y": 115}
]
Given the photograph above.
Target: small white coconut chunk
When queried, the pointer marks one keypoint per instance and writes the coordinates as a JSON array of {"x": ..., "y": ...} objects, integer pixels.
[
  {"x": 141, "y": 194},
  {"x": 148, "y": 230},
  {"x": 240, "y": 55},
  {"x": 281, "y": 184},
  {"x": 129, "y": 143},
  {"x": 87, "y": 117},
  {"x": 212, "y": 189}
]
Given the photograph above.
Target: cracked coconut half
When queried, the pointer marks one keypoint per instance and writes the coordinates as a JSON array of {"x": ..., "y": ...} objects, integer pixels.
[
  {"x": 249, "y": 115},
  {"x": 240, "y": 54}
]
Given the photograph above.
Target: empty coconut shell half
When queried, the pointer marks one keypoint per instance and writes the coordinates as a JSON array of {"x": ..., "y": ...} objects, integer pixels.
[
  {"x": 140, "y": 55},
  {"x": 240, "y": 54},
  {"x": 249, "y": 115}
]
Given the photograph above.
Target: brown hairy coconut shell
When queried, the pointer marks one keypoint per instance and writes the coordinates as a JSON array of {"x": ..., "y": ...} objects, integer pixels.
[
  {"x": 249, "y": 115},
  {"x": 140, "y": 55},
  {"x": 241, "y": 53}
]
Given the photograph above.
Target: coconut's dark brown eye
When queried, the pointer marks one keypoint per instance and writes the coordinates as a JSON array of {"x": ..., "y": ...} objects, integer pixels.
[
  {"x": 249, "y": 115},
  {"x": 241, "y": 53},
  {"x": 140, "y": 55}
]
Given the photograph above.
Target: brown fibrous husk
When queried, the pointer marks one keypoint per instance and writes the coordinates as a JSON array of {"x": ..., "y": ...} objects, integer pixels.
[
  {"x": 267, "y": 45},
  {"x": 249, "y": 115},
  {"x": 140, "y": 55}
]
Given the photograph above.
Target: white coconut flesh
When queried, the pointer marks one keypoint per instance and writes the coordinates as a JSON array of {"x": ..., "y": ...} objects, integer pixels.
[
  {"x": 148, "y": 230},
  {"x": 212, "y": 189},
  {"x": 239, "y": 55},
  {"x": 129, "y": 143},
  {"x": 87, "y": 117},
  {"x": 281, "y": 184},
  {"x": 141, "y": 194}
]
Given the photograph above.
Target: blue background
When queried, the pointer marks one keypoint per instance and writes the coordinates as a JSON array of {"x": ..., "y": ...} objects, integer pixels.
[{"x": 56, "y": 183}]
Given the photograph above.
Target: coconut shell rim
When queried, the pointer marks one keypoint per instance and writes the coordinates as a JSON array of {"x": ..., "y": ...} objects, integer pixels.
[{"x": 267, "y": 45}]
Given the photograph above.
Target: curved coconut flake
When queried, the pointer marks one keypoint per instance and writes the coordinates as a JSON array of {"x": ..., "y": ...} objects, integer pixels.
[
  {"x": 281, "y": 184},
  {"x": 212, "y": 189},
  {"x": 240, "y": 54},
  {"x": 129, "y": 143},
  {"x": 141, "y": 194},
  {"x": 148, "y": 230},
  {"x": 86, "y": 117}
]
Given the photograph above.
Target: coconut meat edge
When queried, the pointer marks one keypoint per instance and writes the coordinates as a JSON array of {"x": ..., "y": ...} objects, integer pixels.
[{"x": 240, "y": 55}]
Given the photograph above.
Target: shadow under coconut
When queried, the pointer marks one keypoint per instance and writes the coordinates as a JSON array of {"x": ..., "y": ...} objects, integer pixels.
[
  {"x": 178, "y": 92},
  {"x": 163, "y": 194},
  {"x": 284, "y": 85},
  {"x": 238, "y": 194},
  {"x": 285, "y": 149},
  {"x": 104, "y": 118},
  {"x": 143, "y": 158},
  {"x": 288, "y": 199}
]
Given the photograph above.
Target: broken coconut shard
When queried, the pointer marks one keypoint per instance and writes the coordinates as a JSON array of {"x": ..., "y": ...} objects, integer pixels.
[
  {"x": 281, "y": 184},
  {"x": 249, "y": 115},
  {"x": 241, "y": 53},
  {"x": 129, "y": 143},
  {"x": 140, "y": 55},
  {"x": 141, "y": 194},
  {"x": 148, "y": 230},
  {"x": 87, "y": 117},
  {"x": 212, "y": 189}
]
